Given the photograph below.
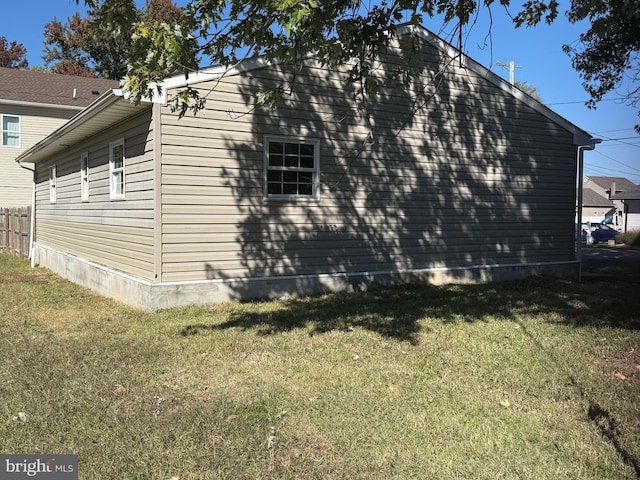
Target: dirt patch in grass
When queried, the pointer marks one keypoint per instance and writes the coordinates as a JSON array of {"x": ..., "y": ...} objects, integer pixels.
[{"x": 624, "y": 365}]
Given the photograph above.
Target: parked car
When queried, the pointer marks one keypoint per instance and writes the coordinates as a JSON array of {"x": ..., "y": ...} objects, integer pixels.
[{"x": 603, "y": 233}]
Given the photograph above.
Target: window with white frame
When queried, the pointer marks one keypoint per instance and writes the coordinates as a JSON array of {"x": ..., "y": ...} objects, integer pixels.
[
  {"x": 10, "y": 131},
  {"x": 292, "y": 168},
  {"x": 117, "y": 170},
  {"x": 52, "y": 184},
  {"x": 84, "y": 177}
]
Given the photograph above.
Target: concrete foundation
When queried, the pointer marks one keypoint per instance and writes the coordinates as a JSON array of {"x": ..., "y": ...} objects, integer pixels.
[{"x": 148, "y": 295}]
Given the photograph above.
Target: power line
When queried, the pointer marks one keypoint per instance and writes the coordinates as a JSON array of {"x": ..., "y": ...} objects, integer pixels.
[
  {"x": 618, "y": 139},
  {"x": 585, "y": 101},
  {"x": 598, "y": 170},
  {"x": 611, "y": 131},
  {"x": 617, "y": 161}
]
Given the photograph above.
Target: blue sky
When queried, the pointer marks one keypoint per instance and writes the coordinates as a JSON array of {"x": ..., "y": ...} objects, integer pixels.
[{"x": 538, "y": 50}]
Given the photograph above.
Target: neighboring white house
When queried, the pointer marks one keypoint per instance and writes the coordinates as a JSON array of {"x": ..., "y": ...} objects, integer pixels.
[
  {"x": 631, "y": 211},
  {"x": 461, "y": 178},
  {"x": 606, "y": 188},
  {"x": 32, "y": 105}
]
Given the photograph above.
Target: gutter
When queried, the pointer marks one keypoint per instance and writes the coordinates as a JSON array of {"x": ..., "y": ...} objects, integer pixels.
[
  {"x": 581, "y": 150},
  {"x": 108, "y": 98}
]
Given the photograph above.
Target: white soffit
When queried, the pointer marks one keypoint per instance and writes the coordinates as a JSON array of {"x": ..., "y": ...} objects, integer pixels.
[{"x": 110, "y": 109}]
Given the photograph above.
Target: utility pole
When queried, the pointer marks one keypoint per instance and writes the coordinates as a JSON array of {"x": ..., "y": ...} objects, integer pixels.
[{"x": 512, "y": 66}]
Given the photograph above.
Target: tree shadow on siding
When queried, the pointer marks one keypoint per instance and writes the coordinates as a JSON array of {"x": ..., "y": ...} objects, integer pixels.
[{"x": 448, "y": 175}]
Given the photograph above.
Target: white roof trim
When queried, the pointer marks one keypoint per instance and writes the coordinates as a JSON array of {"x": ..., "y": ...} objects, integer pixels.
[
  {"x": 214, "y": 73},
  {"x": 87, "y": 119},
  {"x": 580, "y": 137},
  {"x": 22, "y": 103}
]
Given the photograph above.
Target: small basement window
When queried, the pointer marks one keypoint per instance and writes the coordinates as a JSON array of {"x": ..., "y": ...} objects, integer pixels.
[{"x": 292, "y": 168}]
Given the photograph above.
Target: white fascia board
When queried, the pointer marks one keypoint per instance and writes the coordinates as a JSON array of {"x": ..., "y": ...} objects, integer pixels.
[
  {"x": 158, "y": 95},
  {"x": 214, "y": 73},
  {"x": 580, "y": 137},
  {"x": 217, "y": 72},
  {"x": 105, "y": 100}
]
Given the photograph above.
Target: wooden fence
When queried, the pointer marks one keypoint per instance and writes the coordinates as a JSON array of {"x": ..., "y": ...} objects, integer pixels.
[{"x": 15, "y": 230}]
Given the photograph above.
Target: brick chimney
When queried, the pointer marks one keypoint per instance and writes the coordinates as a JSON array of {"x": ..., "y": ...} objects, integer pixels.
[{"x": 613, "y": 190}]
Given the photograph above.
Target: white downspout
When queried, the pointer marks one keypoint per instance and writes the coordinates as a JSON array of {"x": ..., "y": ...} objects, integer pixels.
[
  {"x": 33, "y": 211},
  {"x": 581, "y": 150},
  {"x": 33, "y": 222}
]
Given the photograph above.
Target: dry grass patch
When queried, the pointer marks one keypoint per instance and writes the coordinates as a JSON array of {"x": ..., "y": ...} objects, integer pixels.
[{"x": 494, "y": 381}]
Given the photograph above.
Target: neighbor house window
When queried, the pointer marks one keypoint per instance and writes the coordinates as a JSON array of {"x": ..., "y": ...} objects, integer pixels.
[
  {"x": 84, "y": 177},
  {"x": 116, "y": 170},
  {"x": 292, "y": 168},
  {"x": 52, "y": 184},
  {"x": 10, "y": 131}
]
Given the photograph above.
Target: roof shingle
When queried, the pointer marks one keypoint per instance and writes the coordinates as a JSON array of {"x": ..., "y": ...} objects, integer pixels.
[
  {"x": 630, "y": 194},
  {"x": 591, "y": 198},
  {"x": 50, "y": 88},
  {"x": 622, "y": 183}
]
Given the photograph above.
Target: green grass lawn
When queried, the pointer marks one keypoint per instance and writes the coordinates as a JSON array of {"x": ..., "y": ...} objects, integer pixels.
[{"x": 538, "y": 379}]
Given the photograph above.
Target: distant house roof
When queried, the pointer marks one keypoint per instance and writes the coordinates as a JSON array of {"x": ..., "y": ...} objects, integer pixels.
[
  {"x": 631, "y": 194},
  {"x": 23, "y": 87},
  {"x": 591, "y": 198},
  {"x": 622, "y": 184}
]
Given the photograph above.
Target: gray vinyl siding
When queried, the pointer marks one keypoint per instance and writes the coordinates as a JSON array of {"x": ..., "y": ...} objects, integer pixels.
[
  {"x": 475, "y": 177},
  {"x": 16, "y": 183},
  {"x": 116, "y": 233}
]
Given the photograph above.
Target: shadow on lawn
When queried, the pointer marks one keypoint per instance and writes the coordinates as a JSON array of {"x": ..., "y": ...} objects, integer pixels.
[{"x": 397, "y": 312}]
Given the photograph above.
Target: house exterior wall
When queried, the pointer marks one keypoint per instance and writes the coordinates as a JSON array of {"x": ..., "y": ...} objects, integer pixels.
[
  {"x": 117, "y": 234},
  {"x": 16, "y": 183},
  {"x": 595, "y": 214},
  {"x": 632, "y": 214},
  {"x": 619, "y": 218},
  {"x": 455, "y": 180},
  {"x": 454, "y": 176}
]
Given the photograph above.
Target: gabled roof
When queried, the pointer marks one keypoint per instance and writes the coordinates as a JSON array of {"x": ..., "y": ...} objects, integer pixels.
[
  {"x": 27, "y": 87},
  {"x": 591, "y": 198},
  {"x": 113, "y": 103},
  {"x": 580, "y": 137},
  {"x": 622, "y": 184},
  {"x": 630, "y": 194}
]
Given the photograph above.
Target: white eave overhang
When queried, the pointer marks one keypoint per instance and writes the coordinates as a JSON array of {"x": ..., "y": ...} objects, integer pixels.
[{"x": 109, "y": 109}]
